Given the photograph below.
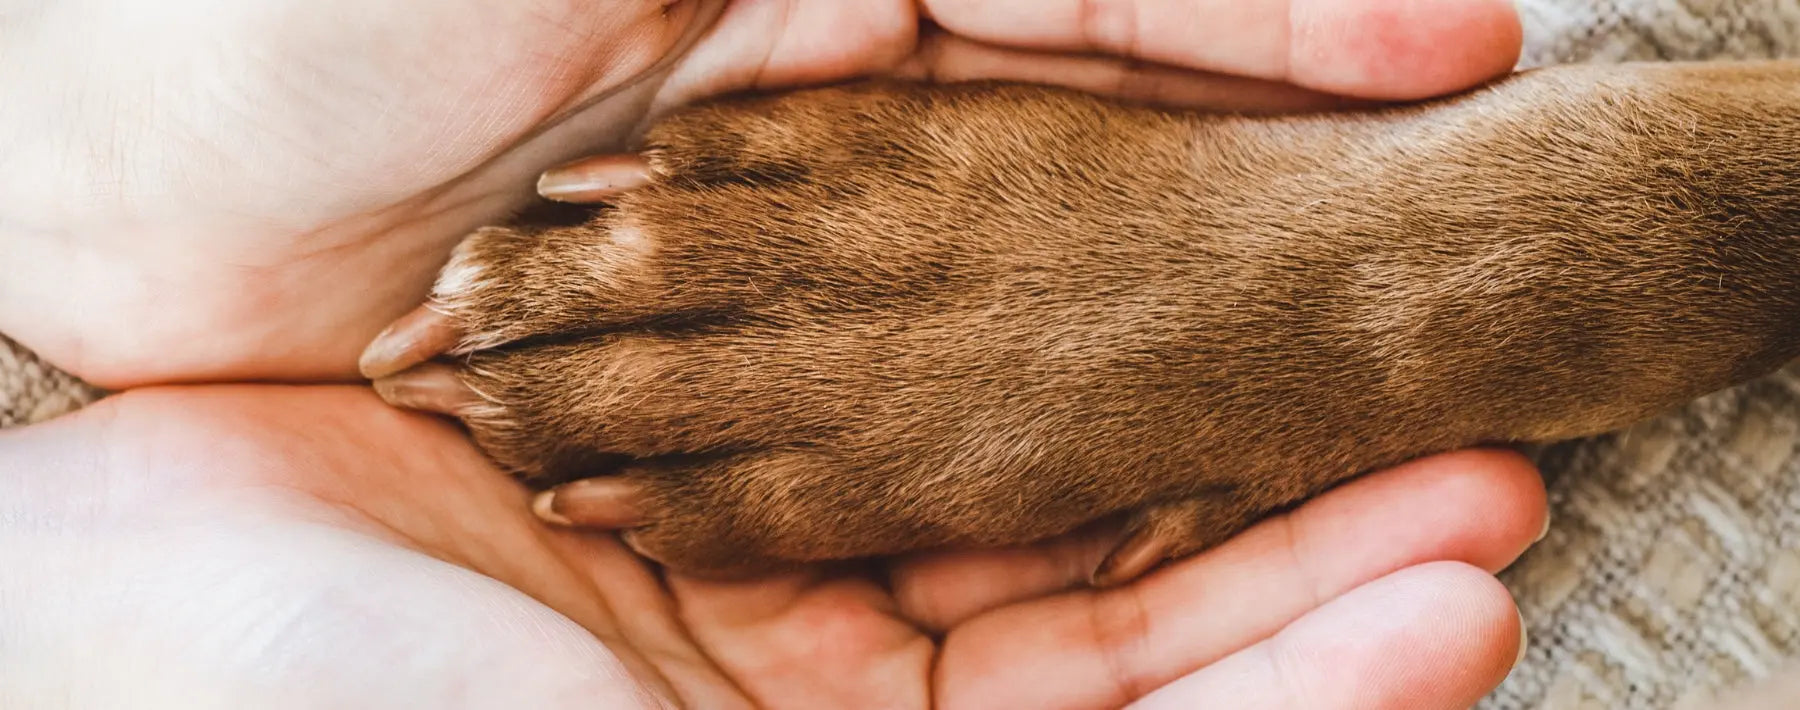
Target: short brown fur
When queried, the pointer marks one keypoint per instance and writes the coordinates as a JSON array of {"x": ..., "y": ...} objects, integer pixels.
[{"x": 875, "y": 318}]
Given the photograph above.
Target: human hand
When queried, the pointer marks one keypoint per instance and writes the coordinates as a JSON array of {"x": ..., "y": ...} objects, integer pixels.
[
  {"x": 218, "y": 190},
  {"x": 310, "y": 547}
]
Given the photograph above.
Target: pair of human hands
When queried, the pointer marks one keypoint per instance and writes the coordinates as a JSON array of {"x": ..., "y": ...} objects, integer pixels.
[
  {"x": 214, "y": 191},
  {"x": 270, "y": 547}
]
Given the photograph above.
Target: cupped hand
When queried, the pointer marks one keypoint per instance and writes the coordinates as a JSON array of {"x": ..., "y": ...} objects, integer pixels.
[
  {"x": 310, "y": 547},
  {"x": 218, "y": 190}
]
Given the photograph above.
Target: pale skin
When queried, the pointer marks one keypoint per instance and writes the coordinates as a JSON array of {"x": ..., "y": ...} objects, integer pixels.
[{"x": 262, "y": 218}]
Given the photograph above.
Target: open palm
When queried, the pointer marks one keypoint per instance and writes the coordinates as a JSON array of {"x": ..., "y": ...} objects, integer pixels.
[{"x": 310, "y": 547}]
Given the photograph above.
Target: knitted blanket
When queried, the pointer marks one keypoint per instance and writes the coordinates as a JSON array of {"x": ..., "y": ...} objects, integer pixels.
[
  {"x": 31, "y": 390},
  {"x": 1672, "y": 567}
]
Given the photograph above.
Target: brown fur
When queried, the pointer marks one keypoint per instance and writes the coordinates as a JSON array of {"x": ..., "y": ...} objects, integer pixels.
[{"x": 870, "y": 319}]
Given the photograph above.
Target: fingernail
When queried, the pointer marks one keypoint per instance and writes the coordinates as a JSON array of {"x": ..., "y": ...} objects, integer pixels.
[
  {"x": 431, "y": 387},
  {"x": 418, "y": 336},
  {"x": 607, "y": 502},
  {"x": 1524, "y": 640},
  {"x": 1544, "y": 532},
  {"x": 594, "y": 179}
]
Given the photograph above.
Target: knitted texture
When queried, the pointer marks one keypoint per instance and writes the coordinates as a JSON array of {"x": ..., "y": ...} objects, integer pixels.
[
  {"x": 31, "y": 390},
  {"x": 1568, "y": 31},
  {"x": 1672, "y": 568}
]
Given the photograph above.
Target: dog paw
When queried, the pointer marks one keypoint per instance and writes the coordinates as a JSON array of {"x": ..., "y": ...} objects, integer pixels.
[
  {"x": 872, "y": 319},
  {"x": 837, "y": 323}
]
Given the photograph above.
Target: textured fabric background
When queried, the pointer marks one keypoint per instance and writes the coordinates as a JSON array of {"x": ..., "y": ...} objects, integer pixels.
[
  {"x": 31, "y": 390},
  {"x": 1672, "y": 568}
]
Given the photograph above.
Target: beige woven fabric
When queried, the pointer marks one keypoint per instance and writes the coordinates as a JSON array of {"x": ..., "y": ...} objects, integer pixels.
[
  {"x": 31, "y": 390},
  {"x": 1672, "y": 570},
  {"x": 1565, "y": 31}
]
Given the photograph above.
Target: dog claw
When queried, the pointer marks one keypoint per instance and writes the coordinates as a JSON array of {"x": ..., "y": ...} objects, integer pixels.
[
  {"x": 1136, "y": 555},
  {"x": 602, "y": 503},
  {"x": 594, "y": 179},
  {"x": 416, "y": 337},
  {"x": 431, "y": 387}
]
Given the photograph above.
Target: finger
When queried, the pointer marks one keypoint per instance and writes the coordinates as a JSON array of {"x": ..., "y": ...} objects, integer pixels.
[
  {"x": 594, "y": 179},
  {"x": 642, "y": 624},
  {"x": 1434, "y": 637},
  {"x": 420, "y": 335},
  {"x": 1483, "y": 507},
  {"x": 1098, "y": 648},
  {"x": 937, "y": 590},
  {"x": 809, "y": 640},
  {"x": 947, "y": 58},
  {"x": 1382, "y": 49}
]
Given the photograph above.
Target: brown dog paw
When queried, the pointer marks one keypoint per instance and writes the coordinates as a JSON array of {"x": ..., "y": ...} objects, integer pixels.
[
  {"x": 810, "y": 328},
  {"x": 866, "y": 320}
]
